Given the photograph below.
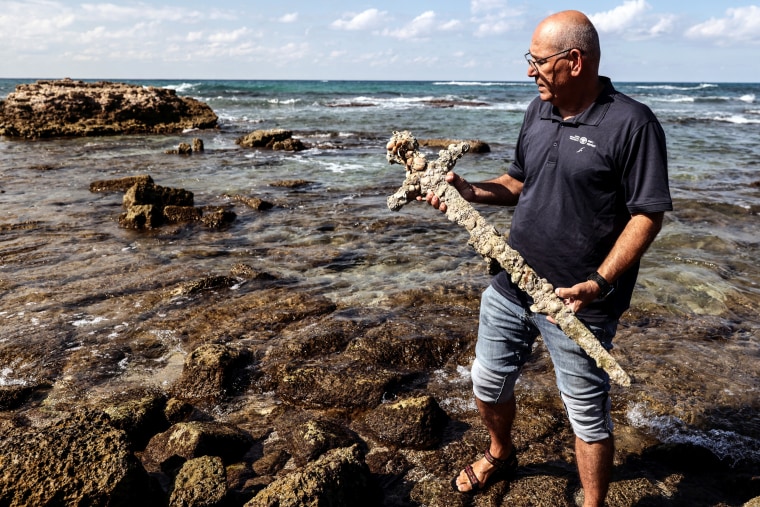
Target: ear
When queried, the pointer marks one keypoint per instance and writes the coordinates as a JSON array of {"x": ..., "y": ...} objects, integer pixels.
[{"x": 576, "y": 61}]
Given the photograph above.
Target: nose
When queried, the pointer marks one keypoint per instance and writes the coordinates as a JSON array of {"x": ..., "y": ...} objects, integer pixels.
[{"x": 532, "y": 72}]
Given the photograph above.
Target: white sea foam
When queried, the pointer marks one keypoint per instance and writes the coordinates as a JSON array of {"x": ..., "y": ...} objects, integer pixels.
[
  {"x": 725, "y": 444},
  {"x": 182, "y": 87},
  {"x": 5, "y": 379},
  {"x": 749, "y": 98},
  {"x": 88, "y": 321}
]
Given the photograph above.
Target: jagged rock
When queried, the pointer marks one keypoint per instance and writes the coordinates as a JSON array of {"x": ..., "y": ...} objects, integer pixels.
[
  {"x": 141, "y": 415},
  {"x": 216, "y": 217},
  {"x": 80, "y": 460},
  {"x": 413, "y": 422},
  {"x": 340, "y": 478},
  {"x": 201, "y": 482},
  {"x": 149, "y": 193},
  {"x": 274, "y": 139},
  {"x": 174, "y": 214},
  {"x": 120, "y": 184},
  {"x": 253, "y": 202},
  {"x": 167, "y": 451},
  {"x": 142, "y": 216},
  {"x": 186, "y": 148},
  {"x": 313, "y": 437},
  {"x": 247, "y": 272},
  {"x": 76, "y": 108},
  {"x": 349, "y": 385},
  {"x": 290, "y": 183},
  {"x": 13, "y": 396},
  {"x": 212, "y": 372}
]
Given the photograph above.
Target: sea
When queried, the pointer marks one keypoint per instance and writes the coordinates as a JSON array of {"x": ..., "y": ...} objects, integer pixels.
[{"x": 698, "y": 295}]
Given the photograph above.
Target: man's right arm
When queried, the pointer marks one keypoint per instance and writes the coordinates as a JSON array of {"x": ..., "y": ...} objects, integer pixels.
[{"x": 502, "y": 191}]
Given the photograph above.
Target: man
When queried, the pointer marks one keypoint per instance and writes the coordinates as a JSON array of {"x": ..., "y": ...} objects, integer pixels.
[{"x": 590, "y": 186}]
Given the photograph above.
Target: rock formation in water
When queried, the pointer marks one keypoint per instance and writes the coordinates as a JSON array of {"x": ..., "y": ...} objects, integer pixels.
[
  {"x": 423, "y": 176},
  {"x": 149, "y": 205},
  {"x": 274, "y": 139},
  {"x": 68, "y": 108}
]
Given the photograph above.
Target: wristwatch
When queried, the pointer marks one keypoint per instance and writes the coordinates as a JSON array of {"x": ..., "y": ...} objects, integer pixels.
[{"x": 606, "y": 287}]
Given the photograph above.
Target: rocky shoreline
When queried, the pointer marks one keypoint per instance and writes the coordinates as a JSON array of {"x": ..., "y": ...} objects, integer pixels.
[{"x": 283, "y": 397}]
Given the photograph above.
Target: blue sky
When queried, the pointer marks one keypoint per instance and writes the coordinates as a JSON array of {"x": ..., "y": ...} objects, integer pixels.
[{"x": 642, "y": 40}]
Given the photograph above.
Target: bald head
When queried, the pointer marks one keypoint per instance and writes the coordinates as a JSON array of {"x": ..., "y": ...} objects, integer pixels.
[{"x": 570, "y": 29}]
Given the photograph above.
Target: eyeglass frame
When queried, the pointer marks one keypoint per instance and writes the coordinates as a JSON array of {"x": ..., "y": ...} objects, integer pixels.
[{"x": 535, "y": 63}]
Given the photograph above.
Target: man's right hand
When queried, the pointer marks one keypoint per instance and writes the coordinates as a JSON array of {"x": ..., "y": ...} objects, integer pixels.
[{"x": 464, "y": 188}]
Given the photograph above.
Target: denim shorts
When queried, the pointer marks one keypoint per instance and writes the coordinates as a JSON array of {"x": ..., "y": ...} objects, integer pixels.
[{"x": 506, "y": 335}]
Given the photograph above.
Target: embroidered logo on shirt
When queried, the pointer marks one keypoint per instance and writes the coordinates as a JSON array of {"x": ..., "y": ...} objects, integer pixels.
[{"x": 584, "y": 141}]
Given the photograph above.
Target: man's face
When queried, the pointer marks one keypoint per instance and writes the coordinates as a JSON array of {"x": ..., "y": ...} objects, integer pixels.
[{"x": 549, "y": 73}]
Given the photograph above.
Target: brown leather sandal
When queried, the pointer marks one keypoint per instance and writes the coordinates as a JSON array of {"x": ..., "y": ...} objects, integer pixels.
[{"x": 504, "y": 468}]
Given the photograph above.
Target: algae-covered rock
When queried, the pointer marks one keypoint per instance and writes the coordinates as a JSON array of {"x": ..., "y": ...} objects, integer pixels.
[{"x": 80, "y": 460}]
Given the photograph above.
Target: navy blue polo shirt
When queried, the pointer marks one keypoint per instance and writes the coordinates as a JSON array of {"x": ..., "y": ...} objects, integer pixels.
[{"x": 582, "y": 179}]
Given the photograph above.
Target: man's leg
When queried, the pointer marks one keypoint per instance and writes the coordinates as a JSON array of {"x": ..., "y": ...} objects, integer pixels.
[
  {"x": 595, "y": 469},
  {"x": 498, "y": 419}
]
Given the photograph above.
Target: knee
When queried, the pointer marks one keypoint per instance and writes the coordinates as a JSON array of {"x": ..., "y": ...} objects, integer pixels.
[
  {"x": 590, "y": 418},
  {"x": 491, "y": 386}
]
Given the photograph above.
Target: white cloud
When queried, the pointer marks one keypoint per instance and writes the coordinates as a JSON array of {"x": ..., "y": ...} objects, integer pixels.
[
  {"x": 228, "y": 36},
  {"x": 621, "y": 17},
  {"x": 289, "y": 18},
  {"x": 422, "y": 26},
  {"x": 362, "y": 21},
  {"x": 487, "y": 6},
  {"x": 741, "y": 24},
  {"x": 494, "y": 17}
]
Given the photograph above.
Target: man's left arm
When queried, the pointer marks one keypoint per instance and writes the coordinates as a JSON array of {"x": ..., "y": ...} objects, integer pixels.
[{"x": 630, "y": 246}]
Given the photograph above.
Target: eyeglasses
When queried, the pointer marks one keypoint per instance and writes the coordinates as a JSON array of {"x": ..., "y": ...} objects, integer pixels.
[{"x": 535, "y": 63}]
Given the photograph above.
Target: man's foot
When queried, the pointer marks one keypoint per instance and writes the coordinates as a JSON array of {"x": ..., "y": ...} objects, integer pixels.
[{"x": 485, "y": 471}]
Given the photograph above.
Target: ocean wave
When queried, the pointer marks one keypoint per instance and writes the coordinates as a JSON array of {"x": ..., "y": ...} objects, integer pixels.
[
  {"x": 183, "y": 87},
  {"x": 750, "y": 98},
  {"x": 737, "y": 119},
  {"x": 700, "y": 86},
  {"x": 479, "y": 83}
]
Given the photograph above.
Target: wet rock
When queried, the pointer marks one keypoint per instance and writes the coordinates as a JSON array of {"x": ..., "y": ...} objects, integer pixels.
[
  {"x": 476, "y": 146},
  {"x": 168, "y": 451},
  {"x": 14, "y": 396},
  {"x": 274, "y": 139},
  {"x": 415, "y": 346},
  {"x": 346, "y": 385},
  {"x": 150, "y": 193},
  {"x": 201, "y": 482},
  {"x": 141, "y": 216},
  {"x": 175, "y": 214},
  {"x": 247, "y": 272},
  {"x": 80, "y": 460},
  {"x": 76, "y": 108},
  {"x": 312, "y": 437},
  {"x": 290, "y": 183},
  {"x": 340, "y": 478},
  {"x": 206, "y": 283},
  {"x": 212, "y": 372},
  {"x": 140, "y": 415},
  {"x": 120, "y": 184},
  {"x": 187, "y": 148},
  {"x": 216, "y": 217},
  {"x": 415, "y": 422},
  {"x": 253, "y": 202}
]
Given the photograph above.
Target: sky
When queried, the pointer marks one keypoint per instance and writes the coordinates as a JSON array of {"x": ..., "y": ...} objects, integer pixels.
[{"x": 464, "y": 40}]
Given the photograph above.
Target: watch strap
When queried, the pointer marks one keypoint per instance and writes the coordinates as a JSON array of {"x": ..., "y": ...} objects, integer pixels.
[{"x": 605, "y": 287}]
